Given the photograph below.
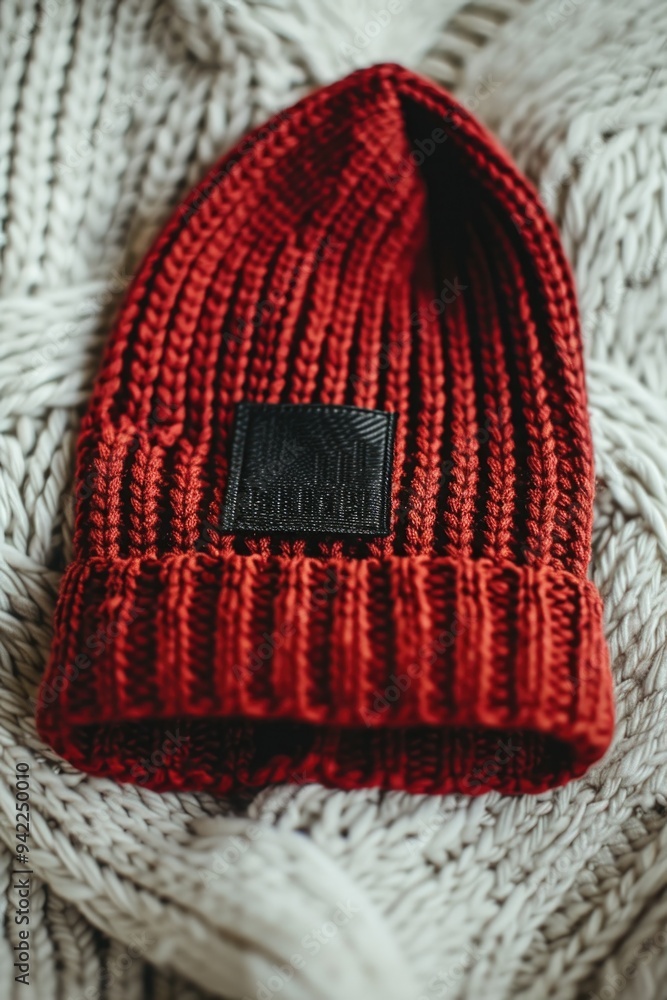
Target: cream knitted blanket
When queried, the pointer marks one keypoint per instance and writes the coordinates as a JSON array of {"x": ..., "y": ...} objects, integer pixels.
[{"x": 109, "y": 111}]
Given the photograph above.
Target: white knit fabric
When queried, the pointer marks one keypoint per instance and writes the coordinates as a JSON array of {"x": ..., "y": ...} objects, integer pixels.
[{"x": 109, "y": 111}]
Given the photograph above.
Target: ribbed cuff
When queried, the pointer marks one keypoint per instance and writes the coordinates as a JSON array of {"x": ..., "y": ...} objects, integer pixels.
[{"x": 425, "y": 674}]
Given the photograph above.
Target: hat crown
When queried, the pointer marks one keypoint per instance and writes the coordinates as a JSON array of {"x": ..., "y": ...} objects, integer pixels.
[{"x": 361, "y": 249}]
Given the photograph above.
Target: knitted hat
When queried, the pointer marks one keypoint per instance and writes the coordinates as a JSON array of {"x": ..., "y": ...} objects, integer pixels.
[{"x": 335, "y": 481}]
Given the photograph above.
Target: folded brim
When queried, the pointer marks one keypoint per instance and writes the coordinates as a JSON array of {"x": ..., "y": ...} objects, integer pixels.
[{"x": 425, "y": 674}]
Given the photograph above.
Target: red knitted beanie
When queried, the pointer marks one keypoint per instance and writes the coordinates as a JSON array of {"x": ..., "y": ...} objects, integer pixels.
[{"x": 335, "y": 482}]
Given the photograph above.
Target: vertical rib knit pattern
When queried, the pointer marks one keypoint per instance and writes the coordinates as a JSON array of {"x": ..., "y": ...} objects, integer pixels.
[{"x": 359, "y": 250}]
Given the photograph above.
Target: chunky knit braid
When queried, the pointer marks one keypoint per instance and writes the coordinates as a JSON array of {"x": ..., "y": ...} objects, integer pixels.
[{"x": 530, "y": 897}]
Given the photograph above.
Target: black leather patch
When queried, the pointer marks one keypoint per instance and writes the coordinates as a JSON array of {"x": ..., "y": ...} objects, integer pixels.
[{"x": 308, "y": 468}]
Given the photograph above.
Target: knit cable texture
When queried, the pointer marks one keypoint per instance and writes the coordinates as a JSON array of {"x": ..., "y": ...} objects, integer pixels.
[{"x": 111, "y": 112}]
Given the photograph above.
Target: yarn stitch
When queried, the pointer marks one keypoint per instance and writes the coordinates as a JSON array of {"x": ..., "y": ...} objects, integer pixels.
[
  {"x": 464, "y": 651},
  {"x": 142, "y": 894}
]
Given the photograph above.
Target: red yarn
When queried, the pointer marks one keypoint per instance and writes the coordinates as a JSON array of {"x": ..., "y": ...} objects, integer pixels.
[{"x": 360, "y": 249}]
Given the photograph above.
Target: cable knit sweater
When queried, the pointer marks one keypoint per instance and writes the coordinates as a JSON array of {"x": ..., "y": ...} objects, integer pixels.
[{"x": 109, "y": 112}]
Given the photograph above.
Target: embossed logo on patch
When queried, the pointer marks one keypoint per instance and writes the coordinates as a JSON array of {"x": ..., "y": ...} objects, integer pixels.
[{"x": 310, "y": 468}]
